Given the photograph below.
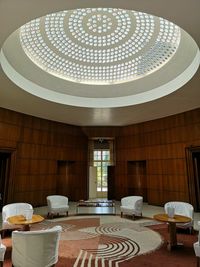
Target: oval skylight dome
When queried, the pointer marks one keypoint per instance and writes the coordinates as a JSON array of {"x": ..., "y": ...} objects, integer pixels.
[{"x": 100, "y": 57}]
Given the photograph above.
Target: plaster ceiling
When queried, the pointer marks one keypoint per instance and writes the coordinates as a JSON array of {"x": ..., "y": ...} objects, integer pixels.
[{"x": 109, "y": 111}]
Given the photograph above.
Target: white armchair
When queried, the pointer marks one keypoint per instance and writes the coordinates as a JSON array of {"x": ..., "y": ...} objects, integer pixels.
[
  {"x": 184, "y": 209},
  {"x": 2, "y": 253},
  {"x": 35, "y": 248},
  {"x": 131, "y": 205},
  {"x": 57, "y": 204},
  {"x": 12, "y": 210},
  {"x": 196, "y": 246}
]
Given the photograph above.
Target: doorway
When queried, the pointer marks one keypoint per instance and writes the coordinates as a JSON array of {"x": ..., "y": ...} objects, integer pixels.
[
  {"x": 65, "y": 177},
  {"x": 101, "y": 161},
  {"x": 193, "y": 170},
  {"x": 101, "y": 156},
  {"x": 5, "y": 177}
]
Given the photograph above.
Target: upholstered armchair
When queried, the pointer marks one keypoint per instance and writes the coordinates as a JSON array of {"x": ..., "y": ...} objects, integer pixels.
[
  {"x": 2, "y": 253},
  {"x": 131, "y": 205},
  {"x": 57, "y": 204},
  {"x": 12, "y": 210},
  {"x": 184, "y": 209},
  {"x": 35, "y": 248},
  {"x": 196, "y": 247}
]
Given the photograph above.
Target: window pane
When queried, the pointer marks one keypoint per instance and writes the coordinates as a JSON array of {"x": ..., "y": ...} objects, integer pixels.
[
  {"x": 105, "y": 164},
  {"x": 106, "y": 155},
  {"x": 98, "y": 183},
  {"x": 104, "y": 189},
  {"x": 97, "y": 164},
  {"x": 104, "y": 171},
  {"x": 99, "y": 172},
  {"x": 104, "y": 182},
  {"x": 97, "y": 154}
]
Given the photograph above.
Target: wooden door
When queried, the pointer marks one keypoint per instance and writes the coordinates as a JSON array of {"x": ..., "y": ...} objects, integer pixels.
[
  {"x": 7, "y": 169},
  {"x": 193, "y": 170},
  {"x": 111, "y": 182}
]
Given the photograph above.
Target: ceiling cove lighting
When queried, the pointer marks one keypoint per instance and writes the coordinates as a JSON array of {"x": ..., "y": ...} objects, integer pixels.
[{"x": 100, "y": 45}]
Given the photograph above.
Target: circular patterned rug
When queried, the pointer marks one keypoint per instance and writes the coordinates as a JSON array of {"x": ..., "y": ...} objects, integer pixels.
[{"x": 93, "y": 241}]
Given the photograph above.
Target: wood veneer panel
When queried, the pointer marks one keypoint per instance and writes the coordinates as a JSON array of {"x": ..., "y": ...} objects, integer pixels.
[
  {"x": 192, "y": 116},
  {"x": 39, "y": 144},
  {"x": 22, "y": 182},
  {"x": 8, "y": 144},
  {"x": 167, "y": 166},
  {"x": 162, "y": 144},
  {"x": 174, "y": 183},
  {"x": 155, "y": 197},
  {"x": 174, "y": 196},
  {"x": 22, "y": 166},
  {"x": 138, "y": 153},
  {"x": 9, "y": 132},
  {"x": 10, "y": 117}
]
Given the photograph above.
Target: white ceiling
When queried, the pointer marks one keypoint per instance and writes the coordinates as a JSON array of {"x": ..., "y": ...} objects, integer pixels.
[{"x": 184, "y": 13}]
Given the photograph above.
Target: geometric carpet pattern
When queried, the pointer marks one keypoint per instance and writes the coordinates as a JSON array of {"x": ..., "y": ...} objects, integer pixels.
[
  {"x": 111, "y": 241},
  {"x": 90, "y": 242}
]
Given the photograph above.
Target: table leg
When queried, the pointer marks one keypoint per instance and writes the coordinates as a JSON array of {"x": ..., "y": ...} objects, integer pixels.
[
  {"x": 77, "y": 209},
  {"x": 198, "y": 262},
  {"x": 26, "y": 227},
  {"x": 114, "y": 209},
  {"x": 172, "y": 236}
]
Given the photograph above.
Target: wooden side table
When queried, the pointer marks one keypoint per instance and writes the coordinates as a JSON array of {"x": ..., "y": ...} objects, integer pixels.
[
  {"x": 21, "y": 220},
  {"x": 172, "y": 226}
]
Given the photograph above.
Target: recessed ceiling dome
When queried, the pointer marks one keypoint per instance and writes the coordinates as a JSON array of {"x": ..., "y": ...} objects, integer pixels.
[
  {"x": 100, "y": 45},
  {"x": 100, "y": 57}
]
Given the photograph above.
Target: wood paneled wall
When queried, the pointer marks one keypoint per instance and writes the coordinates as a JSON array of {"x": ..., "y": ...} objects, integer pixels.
[
  {"x": 40, "y": 145},
  {"x": 45, "y": 151},
  {"x": 161, "y": 143}
]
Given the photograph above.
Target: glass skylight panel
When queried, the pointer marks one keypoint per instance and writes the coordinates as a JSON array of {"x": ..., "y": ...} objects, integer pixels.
[{"x": 121, "y": 45}]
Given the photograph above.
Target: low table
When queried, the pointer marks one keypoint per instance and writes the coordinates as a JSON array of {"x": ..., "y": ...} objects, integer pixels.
[
  {"x": 21, "y": 220},
  {"x": 96, "y": 207},
  {"x": 172, "y": 226}
]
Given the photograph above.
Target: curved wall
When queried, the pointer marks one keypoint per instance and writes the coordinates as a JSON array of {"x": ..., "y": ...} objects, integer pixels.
[{"x": 51, "y": 157}]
